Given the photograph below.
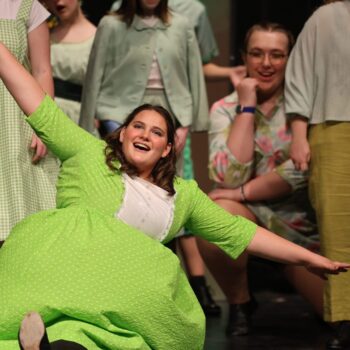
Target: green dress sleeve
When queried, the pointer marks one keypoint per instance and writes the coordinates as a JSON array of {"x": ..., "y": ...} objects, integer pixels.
[
  {"x": 60, "y": 134},
  {"x": 232, "y": 233}
]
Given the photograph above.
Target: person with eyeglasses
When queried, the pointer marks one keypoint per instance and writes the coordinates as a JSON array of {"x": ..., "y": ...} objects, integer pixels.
[{"x": 249, "y": 140}]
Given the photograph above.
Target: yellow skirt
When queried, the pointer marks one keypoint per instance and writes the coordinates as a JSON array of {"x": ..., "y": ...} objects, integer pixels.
[{"x": 330, "y": 195}]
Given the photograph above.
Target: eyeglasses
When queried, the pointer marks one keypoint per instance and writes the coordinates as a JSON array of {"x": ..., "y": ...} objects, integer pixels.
[{"x": 259, "y": 56}]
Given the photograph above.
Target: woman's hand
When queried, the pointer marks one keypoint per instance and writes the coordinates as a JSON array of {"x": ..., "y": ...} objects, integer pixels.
[
  {"x": 40, "y": 150},
  {"x": 180, "y": 139},
  {"x": 299, "y": 149},
  {"x": 226, "y": 193},
  {"x": 300, "y": 153},
  {"x": 237, "y": 74},
  {"x": 322, "y": 266},
  {"x": 246, "y": 90}
]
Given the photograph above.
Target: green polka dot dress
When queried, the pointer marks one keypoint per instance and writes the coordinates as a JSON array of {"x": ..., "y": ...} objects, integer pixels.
[
  {"x": 24, "y": 188},
  {"x": 94, "y": 279}
]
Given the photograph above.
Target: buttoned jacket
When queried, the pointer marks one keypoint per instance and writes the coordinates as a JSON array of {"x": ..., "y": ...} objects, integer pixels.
[{"x": 119, "y": 66}]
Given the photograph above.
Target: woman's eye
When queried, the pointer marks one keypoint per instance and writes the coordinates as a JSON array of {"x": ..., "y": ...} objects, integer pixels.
[{"x": 158, "y": 133}]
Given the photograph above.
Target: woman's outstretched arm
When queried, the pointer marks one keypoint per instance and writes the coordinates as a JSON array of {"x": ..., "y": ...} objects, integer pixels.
[
  {"x": 22, "y": 86},
  {"x": 270, "y": 246}
]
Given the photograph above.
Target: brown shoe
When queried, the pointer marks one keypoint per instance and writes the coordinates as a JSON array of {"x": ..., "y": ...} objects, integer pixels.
[{"x": 32, "y": 334}]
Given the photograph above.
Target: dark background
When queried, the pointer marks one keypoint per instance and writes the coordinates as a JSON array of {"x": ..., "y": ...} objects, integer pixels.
[{"x": 243, "y": 14}]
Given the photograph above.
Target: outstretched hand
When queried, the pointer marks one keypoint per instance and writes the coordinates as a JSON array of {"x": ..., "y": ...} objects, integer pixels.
[{"x": 322, "y": 266}]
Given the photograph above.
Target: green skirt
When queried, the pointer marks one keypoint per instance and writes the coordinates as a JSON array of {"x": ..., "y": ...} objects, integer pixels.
[{"x": 98, "y": 282}]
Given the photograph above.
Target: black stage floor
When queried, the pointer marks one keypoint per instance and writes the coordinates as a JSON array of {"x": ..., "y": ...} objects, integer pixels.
[{"x": 283, "y": 320}]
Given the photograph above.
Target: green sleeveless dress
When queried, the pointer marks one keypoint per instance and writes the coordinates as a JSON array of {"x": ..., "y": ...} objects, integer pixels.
[{"x": 24, "y": 188}]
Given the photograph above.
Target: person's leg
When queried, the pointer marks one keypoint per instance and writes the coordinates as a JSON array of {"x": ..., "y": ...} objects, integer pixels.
[
  {"x": 307, "y": 284},
  {"x": 231, "y": 275},
  {"x": 330, "y": 196},
  {"x": 194, "y": 265},
  {"x": 32, "y": 336}
]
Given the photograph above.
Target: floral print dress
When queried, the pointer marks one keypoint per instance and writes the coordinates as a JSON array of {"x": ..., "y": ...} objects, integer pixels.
[{"x": 291, "y": 216}]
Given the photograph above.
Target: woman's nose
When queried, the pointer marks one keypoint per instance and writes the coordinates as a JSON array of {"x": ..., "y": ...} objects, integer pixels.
[
  {"x": 266, "y": 60},
  {"x": 145, "y": 134}
]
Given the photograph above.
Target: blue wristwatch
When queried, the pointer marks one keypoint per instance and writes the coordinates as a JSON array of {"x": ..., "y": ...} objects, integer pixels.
[{"x": 245, "y": 109}]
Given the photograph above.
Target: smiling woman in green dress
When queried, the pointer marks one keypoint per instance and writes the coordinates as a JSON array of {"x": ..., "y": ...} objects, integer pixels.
[{"x": 95, "y": 268}]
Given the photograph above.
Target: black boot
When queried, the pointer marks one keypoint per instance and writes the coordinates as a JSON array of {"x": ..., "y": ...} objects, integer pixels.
[
  {"x": 32, "y": 334},
  {"x": 341, "y": 338},
  {"x": 204, "y": 297},
  {"x": 239, "y": 319}
]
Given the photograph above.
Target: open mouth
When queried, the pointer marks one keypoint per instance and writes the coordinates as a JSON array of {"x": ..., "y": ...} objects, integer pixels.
[
  {"x": 60, "y": 8},
  {"x": 141, "y": 146}
]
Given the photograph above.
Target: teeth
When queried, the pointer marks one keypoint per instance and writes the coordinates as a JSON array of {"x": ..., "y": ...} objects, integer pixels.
[{"x": 141, "y": 146}]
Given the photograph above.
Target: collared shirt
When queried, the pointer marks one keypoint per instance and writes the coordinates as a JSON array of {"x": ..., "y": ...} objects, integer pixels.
[
  {"x": 120, "y": 63},
  {"x": 318, "y": 71},
  {"x": 197, "y": 16}
]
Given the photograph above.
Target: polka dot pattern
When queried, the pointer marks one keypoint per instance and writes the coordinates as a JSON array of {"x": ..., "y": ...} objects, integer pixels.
[{"x": 94, "y": 279}]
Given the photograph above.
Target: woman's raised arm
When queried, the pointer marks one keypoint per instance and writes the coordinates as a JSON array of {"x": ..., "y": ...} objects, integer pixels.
[{"x": 22, "y": 86}]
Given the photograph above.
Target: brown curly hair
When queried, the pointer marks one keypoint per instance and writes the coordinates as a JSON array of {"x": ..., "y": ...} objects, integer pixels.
[{"x": 164, "y": 171}]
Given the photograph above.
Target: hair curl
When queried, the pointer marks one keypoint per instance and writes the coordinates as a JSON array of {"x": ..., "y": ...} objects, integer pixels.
[
  {"x": 129, "y": 8},
  {"x": 164, "y": 171}
]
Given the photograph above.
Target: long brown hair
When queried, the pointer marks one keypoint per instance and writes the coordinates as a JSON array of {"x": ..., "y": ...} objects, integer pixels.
[
  {"x": 129, "y": 8},
  {"x": 164, "y": 171}
]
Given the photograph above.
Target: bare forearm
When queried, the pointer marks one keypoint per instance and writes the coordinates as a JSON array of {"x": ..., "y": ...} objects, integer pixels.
[
  {"x": 213, "y": 72},
  {"x": 44, "y": 78},
  {"x": 39, "y": 55},
  {"x": 22, "y": 86},
  {"x": 299, "y": 127},
  {"x": 240, "y": 141},
  {"x": 266, "y": 187},
  {"x": 270, "y": 246}
]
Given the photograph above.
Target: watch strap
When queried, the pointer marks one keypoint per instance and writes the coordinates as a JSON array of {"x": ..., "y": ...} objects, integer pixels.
[{"x": 245, "y": 109}]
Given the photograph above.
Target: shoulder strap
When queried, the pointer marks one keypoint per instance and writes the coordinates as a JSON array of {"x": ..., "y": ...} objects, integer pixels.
[{"x": 24, "y": 9}]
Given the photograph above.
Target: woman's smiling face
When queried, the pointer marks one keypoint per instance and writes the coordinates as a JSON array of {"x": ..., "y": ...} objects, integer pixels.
[
  {"x": 266, "y": 60},
  {"x": 144, "y": 141}
]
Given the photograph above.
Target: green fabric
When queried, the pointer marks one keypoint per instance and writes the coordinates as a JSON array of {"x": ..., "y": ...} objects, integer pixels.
[
  {"x": 94, "y": 279},
  {"x": 69, "y": 62},
  {"x": 24, "y": 188},
  {"x": 330, "y": 196},
  {"x": 120, "y": 63}
]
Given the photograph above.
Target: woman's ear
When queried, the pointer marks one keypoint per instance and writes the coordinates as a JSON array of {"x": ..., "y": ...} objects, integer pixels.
[
  {"x": 167, "y": 150},
  {"x": 121, "y": 135}
]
